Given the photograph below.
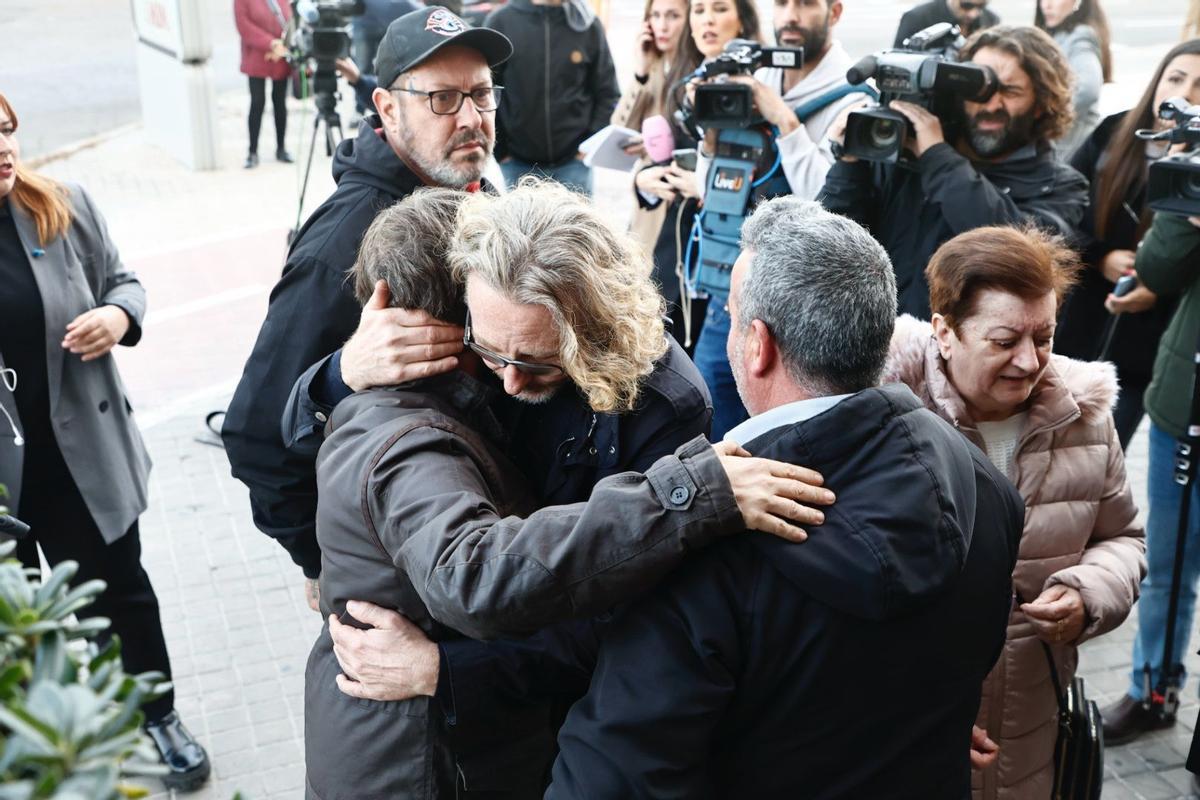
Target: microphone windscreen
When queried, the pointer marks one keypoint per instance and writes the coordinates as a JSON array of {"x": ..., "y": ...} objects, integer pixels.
[{"x": 658, "y": 138}]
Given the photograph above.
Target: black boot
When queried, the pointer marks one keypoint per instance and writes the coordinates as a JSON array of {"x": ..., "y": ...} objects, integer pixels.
[
  {"x": 283, "y": 156},
  {"x": 251, "y": 160},
  {"x": 1127, "y": 719},
  {"x": 186, "y": 760}
]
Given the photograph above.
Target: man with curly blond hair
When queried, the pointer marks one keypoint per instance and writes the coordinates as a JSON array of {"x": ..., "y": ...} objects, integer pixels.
[{"x": 992, "y": 164}]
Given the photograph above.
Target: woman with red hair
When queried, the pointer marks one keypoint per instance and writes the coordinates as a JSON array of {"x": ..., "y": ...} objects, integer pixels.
[{"x": 71, "y": 456}]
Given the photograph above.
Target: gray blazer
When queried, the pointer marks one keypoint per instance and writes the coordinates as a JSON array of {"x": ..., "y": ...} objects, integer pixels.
[{"x": 91, "y": 417}]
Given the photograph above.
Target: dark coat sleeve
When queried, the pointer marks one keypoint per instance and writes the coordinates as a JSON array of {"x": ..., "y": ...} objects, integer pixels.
[
  {"x": 1168, "y": 262},
  {"x": 851, "y": 190},
  {"x": 486, "y": 576},
  {"x": 606, "y": 90},
  {"x": 969, "y": 200},
  {"x": 648, "y": 724},
  {"x": 310, "y": 315}
]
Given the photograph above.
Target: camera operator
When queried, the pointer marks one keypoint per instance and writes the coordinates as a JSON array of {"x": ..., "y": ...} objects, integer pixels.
[
  {"x": 801, "y": 104},
  {"x": 436, "y": 128},
  {"x": 1001, "y": 169}
]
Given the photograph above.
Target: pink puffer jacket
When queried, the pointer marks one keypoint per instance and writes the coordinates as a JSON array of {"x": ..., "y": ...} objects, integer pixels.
[{"x": 1080, "y": 531}]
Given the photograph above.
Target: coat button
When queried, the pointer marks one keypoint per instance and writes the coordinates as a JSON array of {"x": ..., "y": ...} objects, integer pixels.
[
  {"x": 103, "y": 406},
  {"x": 680, "y": 495},
  {"x": 321, "y": 416}
]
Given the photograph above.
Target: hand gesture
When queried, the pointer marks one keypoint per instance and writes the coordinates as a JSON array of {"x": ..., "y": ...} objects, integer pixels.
[
  {"x": 393, "y": 660},
  {"x": 652, "y": 181},
  {"x": 984, "y": 751},
  {"x": 94, "y": 333},
  {"x": 769, "y": 493},
  {"x": 682, "y": 182},
  {"x": 926, "y": 124},
  {"x": 1117, "y": 264},
  {"x": 1056, "y": 614},
  {"x": 645, "y": 51},
  {"x": 770, "y": 104},
  {"x": 1139, "y": 300},
  {"x": 278, "y": 50},
  {"x": 395, "y": 345},
  {"x": 837, "y": 130},
  {"x": 348, "y": 70}
]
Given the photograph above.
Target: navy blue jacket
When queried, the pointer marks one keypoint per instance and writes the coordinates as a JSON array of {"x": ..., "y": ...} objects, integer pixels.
[{"x": 849, "y": 666}]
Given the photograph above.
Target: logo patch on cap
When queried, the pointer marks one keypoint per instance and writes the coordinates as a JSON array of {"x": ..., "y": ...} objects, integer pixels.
[{"x": 443, "y": 23}]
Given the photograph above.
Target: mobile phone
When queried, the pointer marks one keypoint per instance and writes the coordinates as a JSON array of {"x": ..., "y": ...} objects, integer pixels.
[
  {"x": 685, "y": 159},
  {"x": 1125, "y": 285}
]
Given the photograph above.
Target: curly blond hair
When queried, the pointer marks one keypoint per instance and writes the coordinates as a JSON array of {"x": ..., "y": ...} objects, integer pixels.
[{"x": 541, "y": 244}]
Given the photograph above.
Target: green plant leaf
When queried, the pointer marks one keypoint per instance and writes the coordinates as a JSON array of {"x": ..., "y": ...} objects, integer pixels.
[
  {"x": 54, "y": 585},
  {"x": 33, "y": 732}
]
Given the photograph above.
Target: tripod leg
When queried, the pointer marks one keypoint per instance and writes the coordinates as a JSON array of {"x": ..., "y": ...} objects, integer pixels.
[{"x": 312, "y": 146}]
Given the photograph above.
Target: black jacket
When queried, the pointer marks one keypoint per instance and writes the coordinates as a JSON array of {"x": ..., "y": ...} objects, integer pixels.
[
  {"x": 913, "y": 210},
  {"x": 312, "y": 312},
  {"x": 1083, "y": 318},
  {"x": 846, "y": 667},
  {"x": 933, "y": 12},
  {"x": 560, "y": 86}
]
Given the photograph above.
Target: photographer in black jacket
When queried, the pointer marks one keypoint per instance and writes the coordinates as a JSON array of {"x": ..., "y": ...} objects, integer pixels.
[
  {"x": 560, "y": 87},
  {"x": 1000, "y": 171},
  {"x": 429, "y": 61}
]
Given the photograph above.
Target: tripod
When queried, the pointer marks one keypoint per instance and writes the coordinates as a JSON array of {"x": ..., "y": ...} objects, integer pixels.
[{"x": 327, "y": 115}]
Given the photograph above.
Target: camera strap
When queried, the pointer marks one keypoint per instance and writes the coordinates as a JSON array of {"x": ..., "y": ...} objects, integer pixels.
[
  {"x": 274, "y": 6},
  {"x": 806, "y": 110}
]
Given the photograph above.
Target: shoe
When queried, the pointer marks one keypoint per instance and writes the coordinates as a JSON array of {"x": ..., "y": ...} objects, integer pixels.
[
  {"x": 283, "y": 156},
  {"x": 1127, "y": 719},
  {"x": 187, "y": 763},
  {"x": 251, "y": 161}
]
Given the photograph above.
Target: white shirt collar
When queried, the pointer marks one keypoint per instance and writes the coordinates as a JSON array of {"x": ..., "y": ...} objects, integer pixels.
[{"x": 786, "y": 414}]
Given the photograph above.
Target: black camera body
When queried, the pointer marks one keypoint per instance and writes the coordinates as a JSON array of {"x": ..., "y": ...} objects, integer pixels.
[
  {"x": 731, "y": 105},
  {"x": 1173, "y": 185},
  {"x": 924, "y": 73},
  {"x": 323, "y": 35}
]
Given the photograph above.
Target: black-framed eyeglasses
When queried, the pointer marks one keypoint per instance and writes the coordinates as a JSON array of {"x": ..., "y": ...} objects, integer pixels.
[
  {"x": 498, "y": 361},
  {"x": 447, "y": 102}
]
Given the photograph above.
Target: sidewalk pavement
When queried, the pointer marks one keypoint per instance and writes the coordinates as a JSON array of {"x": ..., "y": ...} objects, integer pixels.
[{"x": 209, "y": 247}]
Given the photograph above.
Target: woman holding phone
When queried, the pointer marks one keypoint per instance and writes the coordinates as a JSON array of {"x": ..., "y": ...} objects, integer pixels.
[
  {"x": 708, "y": 27},
  {"x": 662, "y": 25}
]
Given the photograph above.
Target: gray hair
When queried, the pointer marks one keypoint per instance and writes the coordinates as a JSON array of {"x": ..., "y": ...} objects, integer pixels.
[
  {"x": 541, "y": 244},
  {"x": 406, "y": 246},
  {"x": 825, "y": 289}
]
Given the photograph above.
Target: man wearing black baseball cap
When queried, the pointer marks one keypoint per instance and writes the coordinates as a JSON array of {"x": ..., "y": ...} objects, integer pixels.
[{"x": 436, "y": 127}]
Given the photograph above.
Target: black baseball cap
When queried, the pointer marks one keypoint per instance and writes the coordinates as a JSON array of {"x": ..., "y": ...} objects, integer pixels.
[{"x": 419, "y": 34}]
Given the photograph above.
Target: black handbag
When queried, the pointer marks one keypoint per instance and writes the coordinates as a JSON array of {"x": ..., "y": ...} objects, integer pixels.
[{"x": 1079, "y": 751}]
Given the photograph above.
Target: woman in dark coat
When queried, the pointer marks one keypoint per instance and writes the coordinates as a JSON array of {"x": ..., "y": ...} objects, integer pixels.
[
  {"x": 260, "y": 23},
  {"x": 1115, "y": 163},
  {"x": 71, "y": 456}
]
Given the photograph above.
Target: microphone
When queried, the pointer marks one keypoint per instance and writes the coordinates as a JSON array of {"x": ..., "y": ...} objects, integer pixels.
[
  {"x": 864, "y": 68},
  {"x": 658, "y": 138}
]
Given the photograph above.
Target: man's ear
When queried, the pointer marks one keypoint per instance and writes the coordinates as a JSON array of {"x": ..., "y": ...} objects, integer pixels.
[
  {"x": 761, "y": 352},
  {"x": 835, "y": 12},
  {"x": 944, "y": 335}
]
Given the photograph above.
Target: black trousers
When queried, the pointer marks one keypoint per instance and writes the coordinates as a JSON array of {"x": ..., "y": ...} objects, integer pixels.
[
  {"x": 258, "y": 102},
  {"x": 60, "y": 522}
]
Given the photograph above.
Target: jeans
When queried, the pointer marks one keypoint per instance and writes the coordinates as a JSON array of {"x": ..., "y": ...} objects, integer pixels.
[
  {"x": 1162, "y": 526},
  {"x": 713, "y": 363},
  {"x": 574, "y": 174}
]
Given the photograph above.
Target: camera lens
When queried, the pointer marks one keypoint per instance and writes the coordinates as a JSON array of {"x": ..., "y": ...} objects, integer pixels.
[
  {"x": 884, "y": 133},
  {"x": 1191, "y": 186},
  {"x": 729, "y": 104}
]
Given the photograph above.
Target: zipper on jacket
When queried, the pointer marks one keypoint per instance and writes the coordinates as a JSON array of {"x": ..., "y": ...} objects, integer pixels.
[{"x": 546, "y": 95}]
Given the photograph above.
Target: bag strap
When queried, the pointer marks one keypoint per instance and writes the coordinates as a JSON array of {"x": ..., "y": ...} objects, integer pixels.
[
  {"x": 1059, "y": 694},
  {"x": 806, "y": 110},
  {"x": 274, "y": 4}
]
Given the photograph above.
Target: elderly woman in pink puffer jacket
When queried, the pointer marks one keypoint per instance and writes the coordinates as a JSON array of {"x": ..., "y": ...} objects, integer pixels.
[{"x": 985, "y": 365}]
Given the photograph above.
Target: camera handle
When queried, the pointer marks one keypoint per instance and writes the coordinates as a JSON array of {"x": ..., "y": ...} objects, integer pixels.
[{"x": 1163, "y": 699}]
